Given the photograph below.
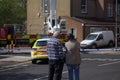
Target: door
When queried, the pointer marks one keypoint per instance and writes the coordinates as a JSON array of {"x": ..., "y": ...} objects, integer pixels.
[{"x": 100, "y": 40}]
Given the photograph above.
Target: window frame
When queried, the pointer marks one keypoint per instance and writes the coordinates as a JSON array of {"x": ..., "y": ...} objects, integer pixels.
[
  {"x": 46, "y": 6},
  {"x": 118, "y": 9},
  {"x": 110, "y": 10},
  {"x": 84, "y": 6}
]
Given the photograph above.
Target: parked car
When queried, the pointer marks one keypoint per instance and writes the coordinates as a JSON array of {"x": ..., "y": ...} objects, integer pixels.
[
  {"x": 98, "y": 39},
  {"x": 39, "y": 50}
]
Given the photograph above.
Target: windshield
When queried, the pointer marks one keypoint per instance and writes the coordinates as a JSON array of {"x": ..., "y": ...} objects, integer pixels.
[
  {"x": 91, "y": 37},
  {"x": 41, "y": 43}
]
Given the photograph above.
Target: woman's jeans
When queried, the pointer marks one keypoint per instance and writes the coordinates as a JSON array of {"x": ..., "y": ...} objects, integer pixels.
[{"x": 73, "y": 69}]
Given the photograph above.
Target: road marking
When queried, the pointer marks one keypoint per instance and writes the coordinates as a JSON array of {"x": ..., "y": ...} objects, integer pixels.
[
  {"x": 100, "y": 59},
  {"x": 11, "y": 67},
  {"x": 8, "y": 69},
  {"x": 47, "y": 76},
  {"x": 17, "y": 64},
  {"x": 106, "y": 64},
  {"x": 41, "y": 78},
  {"x": 106, "y": 49}
]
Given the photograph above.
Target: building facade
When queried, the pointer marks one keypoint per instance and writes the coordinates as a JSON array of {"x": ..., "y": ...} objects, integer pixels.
[
  {"x": 82, "y": 16},
  {"x": 37, "y": 13},
  {"x": 35, "y": 17},
  {"x": 93, "y": 15}
]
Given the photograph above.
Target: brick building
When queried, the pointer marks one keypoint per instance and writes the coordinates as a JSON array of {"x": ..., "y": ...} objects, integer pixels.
[{"x": 82, "y": 16}]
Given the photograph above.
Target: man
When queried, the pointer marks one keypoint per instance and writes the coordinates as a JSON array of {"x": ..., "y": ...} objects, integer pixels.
[{"x": 55, "y": 56}]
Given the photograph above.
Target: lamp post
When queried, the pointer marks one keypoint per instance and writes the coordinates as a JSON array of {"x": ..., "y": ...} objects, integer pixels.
[{"x": 116, "y": 26}]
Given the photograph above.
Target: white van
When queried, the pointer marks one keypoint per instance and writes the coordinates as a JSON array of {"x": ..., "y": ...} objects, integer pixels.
[{"x": 98, "y": 39}]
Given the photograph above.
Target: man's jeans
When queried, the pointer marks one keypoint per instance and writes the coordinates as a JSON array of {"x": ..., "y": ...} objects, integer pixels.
[
  {"x": 55, "y": 67},
  {"x": 73, "y": 69}
]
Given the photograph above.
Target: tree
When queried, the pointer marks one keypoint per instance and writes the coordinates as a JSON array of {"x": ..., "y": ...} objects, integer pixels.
[{"x": 12, "y": 11}]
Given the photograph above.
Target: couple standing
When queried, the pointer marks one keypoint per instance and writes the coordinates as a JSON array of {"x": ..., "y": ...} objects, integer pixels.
[{"x": 57, "y": 57}]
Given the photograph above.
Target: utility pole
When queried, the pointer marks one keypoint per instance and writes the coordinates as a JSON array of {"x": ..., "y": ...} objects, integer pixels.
[{"x": 116, "y": 25}]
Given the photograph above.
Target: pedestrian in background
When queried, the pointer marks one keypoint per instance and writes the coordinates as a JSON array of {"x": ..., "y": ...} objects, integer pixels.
[
  {"x": 55, "y": 56},
  {"x": 73, "y": 58}
]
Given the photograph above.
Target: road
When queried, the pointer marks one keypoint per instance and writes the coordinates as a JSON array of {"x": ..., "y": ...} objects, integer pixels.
[
  {"x": 100, "y": 67},
  {"x": 93, "y": 67}
]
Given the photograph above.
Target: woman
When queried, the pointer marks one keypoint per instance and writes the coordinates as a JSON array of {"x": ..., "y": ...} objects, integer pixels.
[{"x": 73, "y": 58}]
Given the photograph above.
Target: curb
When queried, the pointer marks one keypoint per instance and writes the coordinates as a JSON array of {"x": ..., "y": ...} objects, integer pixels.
[
  {"x": 7, "y": 53},
  {"x": 100, "y": 52}
]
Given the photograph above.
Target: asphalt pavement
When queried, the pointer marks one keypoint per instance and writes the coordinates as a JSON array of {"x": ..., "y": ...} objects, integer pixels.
[
  {"x": 17, "y": 58},
  {"x": 20, "y": 57},
  {"x": 13, "y": 58},
  {"x": 7, "y": 60}
]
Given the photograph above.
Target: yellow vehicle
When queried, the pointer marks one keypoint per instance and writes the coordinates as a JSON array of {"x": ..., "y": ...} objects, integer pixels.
[{"x": 39, "y": 50}]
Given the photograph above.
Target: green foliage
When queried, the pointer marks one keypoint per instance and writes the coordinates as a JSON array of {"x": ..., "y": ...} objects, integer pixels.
[{"x": 12, "y": 11}]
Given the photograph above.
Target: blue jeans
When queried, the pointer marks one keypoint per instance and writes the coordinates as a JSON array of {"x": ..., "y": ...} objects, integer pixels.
[{"x": 73, "y": 69}]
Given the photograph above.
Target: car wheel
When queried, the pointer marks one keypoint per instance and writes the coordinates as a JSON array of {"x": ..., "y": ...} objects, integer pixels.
[
  {"x": 111, "y": 44},
  {"x": 94, "y": 46},
  {"x": 34, "y": 61}
]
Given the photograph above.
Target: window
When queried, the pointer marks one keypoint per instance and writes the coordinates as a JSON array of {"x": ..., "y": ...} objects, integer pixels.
[
  {"x": 73, "y": 31},
  {"x": 110, "y": 10},
  {"x": 46, "y": 6},
  {"x": 83, "y": 6},
  {"x": 100, "y": 37},
  {"x": 41, "y": 43},
  {"x": 41, "y": 3},
  {"x": 118, "y": 11},
  {"x": 53, "y": 22},
  {"x": 91, "y": 37},
  {"x": 3, "y": 43},
  {"x": 22, "y": 42}
]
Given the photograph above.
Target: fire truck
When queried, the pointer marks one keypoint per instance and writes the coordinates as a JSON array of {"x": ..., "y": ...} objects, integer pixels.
[
  {"x": 22, "y": 40},
  {"x": 3, "y": 36},
  {"x": 10, "y": 36}
]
